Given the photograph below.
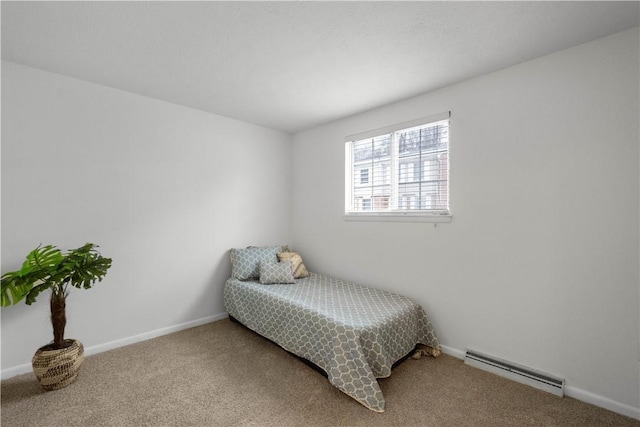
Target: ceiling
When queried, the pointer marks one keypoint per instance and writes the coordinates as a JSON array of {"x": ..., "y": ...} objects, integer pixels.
[{"x": 294, "y": 65}]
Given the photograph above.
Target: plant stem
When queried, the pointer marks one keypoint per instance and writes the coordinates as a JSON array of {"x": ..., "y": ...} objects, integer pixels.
[{"x": 58, "y": 318}]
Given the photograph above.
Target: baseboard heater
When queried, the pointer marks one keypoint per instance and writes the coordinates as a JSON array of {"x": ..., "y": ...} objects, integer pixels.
[{"x": 521, "y": 374}]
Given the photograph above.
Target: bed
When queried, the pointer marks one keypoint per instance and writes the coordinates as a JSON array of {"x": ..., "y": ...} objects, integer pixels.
[{"x": 352, "y": 332}]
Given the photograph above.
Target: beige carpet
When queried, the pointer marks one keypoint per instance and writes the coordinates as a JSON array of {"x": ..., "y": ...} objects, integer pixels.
[{"x": 222, "y": 374}]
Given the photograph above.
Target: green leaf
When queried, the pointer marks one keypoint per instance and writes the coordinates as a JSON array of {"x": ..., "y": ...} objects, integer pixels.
[
  {"x": 13, "y": 288},
  {"x": 90, "y": 268},
  {"x": 35, "y": 291},
  {"x": 41, "y": 259}
]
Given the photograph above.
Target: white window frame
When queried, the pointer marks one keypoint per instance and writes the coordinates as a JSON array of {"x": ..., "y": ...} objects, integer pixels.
[{"x": 436, "y": 216}]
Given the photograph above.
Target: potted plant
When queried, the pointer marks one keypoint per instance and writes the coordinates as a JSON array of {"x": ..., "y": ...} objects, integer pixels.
[{"x": 56, "y": 364}]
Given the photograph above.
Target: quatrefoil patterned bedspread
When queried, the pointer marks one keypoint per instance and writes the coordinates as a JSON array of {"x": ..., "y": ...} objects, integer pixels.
[{"x": 354, "y": 333}]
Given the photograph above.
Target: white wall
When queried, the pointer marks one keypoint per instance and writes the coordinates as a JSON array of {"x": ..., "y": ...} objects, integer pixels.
[
  {"x": 540, "y": 263},
  {"x": 164, "y": 190}
]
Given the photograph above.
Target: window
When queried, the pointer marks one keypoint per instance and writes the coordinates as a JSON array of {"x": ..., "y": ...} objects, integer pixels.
[
  {"x": 366, "y": 204},
  {"x": 364, "y": 176},
  {"x": 400, "y": 170}
]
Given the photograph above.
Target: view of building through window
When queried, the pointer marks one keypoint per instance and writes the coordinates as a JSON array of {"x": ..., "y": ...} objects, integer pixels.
[{"x": 405, "y": 170}]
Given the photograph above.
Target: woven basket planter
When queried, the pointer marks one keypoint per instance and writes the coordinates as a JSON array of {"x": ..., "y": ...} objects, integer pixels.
[{"x": 56, "y": 369}]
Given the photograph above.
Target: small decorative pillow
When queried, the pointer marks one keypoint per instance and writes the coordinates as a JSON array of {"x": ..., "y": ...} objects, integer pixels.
[
  {"x": 276, "y": 272},
  {"x": 298, "y": 267},
  {"x": 245, "y": 262}
]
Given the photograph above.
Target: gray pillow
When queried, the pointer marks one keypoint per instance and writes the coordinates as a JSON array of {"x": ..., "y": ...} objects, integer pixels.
[
  {"x": 276, "y": 272},
  {"x": 245, "y": 263}
]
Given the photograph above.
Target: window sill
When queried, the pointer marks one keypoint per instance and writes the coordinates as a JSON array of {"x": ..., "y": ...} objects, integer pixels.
[{"x": 398, "y": 217}]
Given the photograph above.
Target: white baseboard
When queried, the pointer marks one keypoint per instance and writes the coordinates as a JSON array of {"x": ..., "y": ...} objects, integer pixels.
[
  {"x": 574, "y": 392},
  {"x": 99, "y": 348},
  {"x": 602, "y": 402},
  {"x": 452, "y": 352},
  {"x": 16, "y": 370}
]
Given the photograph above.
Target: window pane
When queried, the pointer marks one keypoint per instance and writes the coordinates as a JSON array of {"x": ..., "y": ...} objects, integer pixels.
[
  {"x": 423, "y": 169},
  {"x": 371, "y": 189}
]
